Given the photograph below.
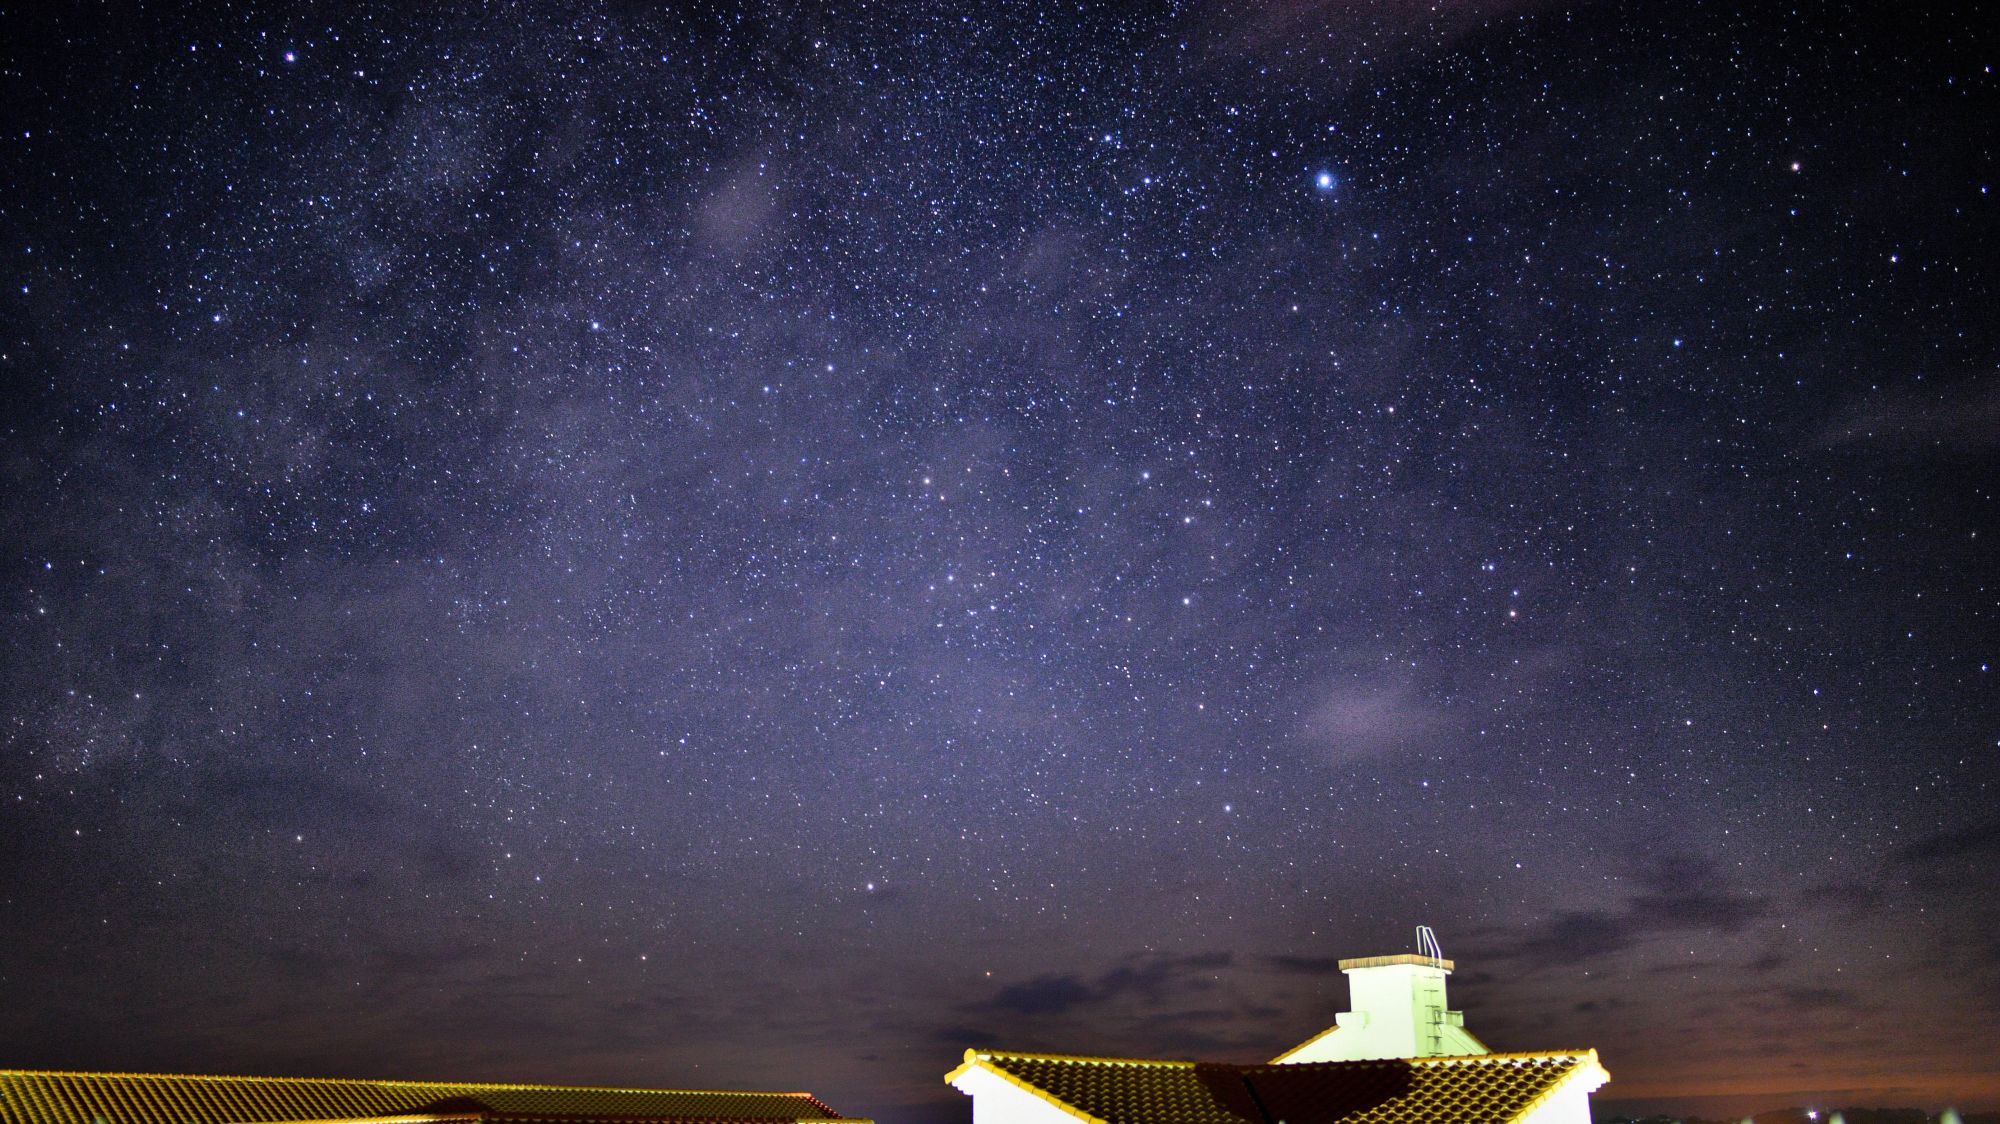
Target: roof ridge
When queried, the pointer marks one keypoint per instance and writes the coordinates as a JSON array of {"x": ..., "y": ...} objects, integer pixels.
[
  {"x": 988, "y": 1055},
  {"x": 1250, "y": 1087},
  {"x": 5, "y": 1073},
  {"x": 1280, "y": 1059},
  {"x": 1502, "y": 1055},
  {"x": 1508, "y": 1055},
  {"x": 1178, "y": 1063}
]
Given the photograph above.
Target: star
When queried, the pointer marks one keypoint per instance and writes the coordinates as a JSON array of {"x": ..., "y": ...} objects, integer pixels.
[{"x": 590, "y": 358}]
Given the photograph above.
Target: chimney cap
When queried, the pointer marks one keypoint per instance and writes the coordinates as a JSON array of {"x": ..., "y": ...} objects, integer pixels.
[{"x": 1438, "y": 962}]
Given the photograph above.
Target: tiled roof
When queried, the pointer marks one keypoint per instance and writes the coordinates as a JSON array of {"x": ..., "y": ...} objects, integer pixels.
[
  {"x": 1483, "y": 1089},
  {"x": 45, "y": 1097}
]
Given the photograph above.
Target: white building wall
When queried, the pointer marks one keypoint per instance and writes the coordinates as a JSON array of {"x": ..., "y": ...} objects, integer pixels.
[
  {"x": 996, "y": 1100},
  {"x": 1398, "y": 1012}
]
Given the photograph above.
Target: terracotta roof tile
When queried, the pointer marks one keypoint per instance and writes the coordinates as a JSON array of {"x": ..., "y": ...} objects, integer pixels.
[
  {"x": 44, "y": 1097},
  {"x": 1488, "y": 1088}
]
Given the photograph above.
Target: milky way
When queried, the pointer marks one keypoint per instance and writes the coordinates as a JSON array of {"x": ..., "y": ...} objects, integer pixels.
[{"x": 758, "y": 548}]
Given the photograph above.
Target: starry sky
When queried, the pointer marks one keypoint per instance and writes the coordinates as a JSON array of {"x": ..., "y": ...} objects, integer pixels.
[{"x": 762, "y": 546}]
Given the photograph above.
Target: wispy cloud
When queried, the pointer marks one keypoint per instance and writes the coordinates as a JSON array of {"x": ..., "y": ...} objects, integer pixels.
[
  {"x": 1358, "y": 720},
  {"x": 1940, "y": 418}
]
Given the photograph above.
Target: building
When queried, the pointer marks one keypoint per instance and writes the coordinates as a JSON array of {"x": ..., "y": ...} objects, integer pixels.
[
  {"x": 1398, "y": 1057},
  {"x": 53, "y": 1097}
]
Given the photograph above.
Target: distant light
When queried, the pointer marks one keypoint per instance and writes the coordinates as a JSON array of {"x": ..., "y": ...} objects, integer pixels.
[{"x": 1325, "y": 181}]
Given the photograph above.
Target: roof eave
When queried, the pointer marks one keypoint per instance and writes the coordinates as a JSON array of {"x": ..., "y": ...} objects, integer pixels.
[
  {"x": 974, "y": 1060},
  {"x": 399, "y": 1118},
  {"x": 1587, "y": 1070},
  {"x": 1294, "y": 1051}
]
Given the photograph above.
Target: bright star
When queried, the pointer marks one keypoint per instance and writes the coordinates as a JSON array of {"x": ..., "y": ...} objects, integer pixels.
[{"x": 1325, "y": 181}]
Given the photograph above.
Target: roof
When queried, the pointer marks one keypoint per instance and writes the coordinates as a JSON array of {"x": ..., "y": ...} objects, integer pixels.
[
  {"x": 51, "y": 1097},
  {"x": 1488, "y": 1088},
  {"x": 1354, "y": 962}
]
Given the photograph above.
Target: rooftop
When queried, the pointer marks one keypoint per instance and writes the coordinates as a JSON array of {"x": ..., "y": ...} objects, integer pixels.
[
  {"x": 1484, "y": 1087},
  {"x": 55, "y": 1097},
  {"x": 1352, "y": 963}
]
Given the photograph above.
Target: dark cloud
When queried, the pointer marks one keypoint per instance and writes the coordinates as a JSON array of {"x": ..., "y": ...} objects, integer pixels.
[
  {"x": 1572, "y": 937},
  {"x": 1154, "y": 978},
  {"x": 1043, "y": 995},
  {"x": 1853, "y": 899},
  {"x": 1979, "y": 839},
  {"x": 1150, "y": 978},
  {"x": 1815, "y": 998},
  {"x": 1683, "y": 968},
  {"x": 1688, "y": 892},
  {"x": 1304, "y": 965},
  {"x": 1677, "y": 893},
  {"x": 962, "y": 1036}
]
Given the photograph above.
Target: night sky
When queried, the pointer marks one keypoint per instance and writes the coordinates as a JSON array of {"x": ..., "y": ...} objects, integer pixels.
[{"x": 752, "y": 547}]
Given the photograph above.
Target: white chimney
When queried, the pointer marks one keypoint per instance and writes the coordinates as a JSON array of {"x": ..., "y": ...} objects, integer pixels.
[{"x": 1398, "y": 1012}]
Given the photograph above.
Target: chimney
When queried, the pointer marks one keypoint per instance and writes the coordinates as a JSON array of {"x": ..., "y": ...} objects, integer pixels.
[{"x": 1398, "y": 1011}]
